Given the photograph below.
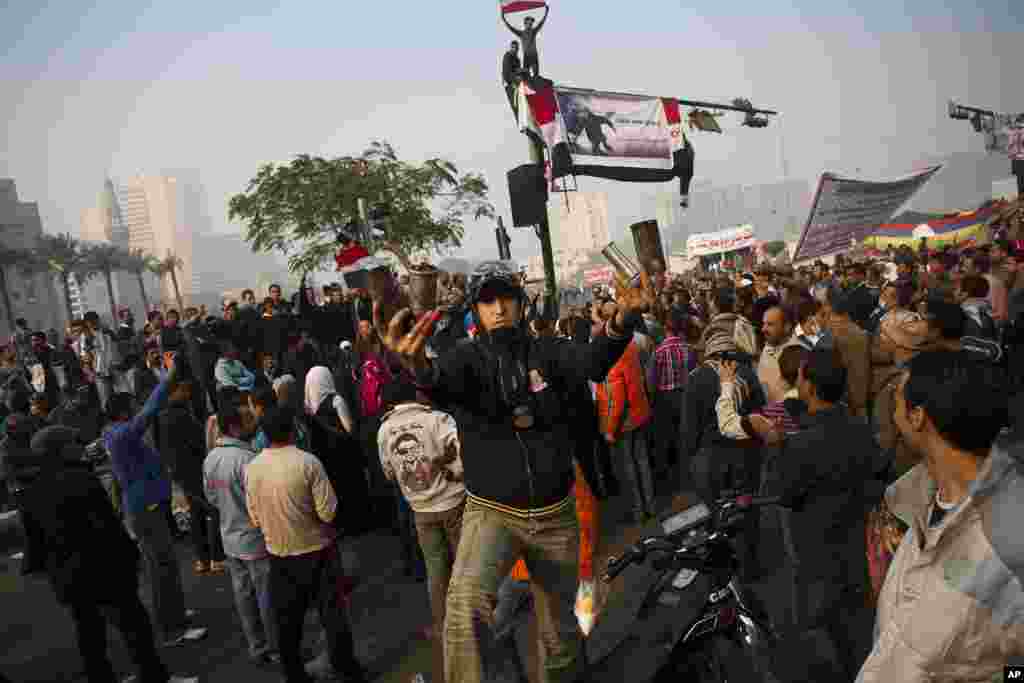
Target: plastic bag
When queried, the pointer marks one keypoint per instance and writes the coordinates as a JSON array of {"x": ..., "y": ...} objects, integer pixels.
[{"x": 586, "y": 612}]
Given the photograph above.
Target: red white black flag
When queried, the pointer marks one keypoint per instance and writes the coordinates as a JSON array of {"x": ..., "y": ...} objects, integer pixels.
[{"x": 511, "y": 6}]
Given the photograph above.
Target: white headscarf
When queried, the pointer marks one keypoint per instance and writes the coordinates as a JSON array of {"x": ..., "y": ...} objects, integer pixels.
[{"x": 319, "y": 385}]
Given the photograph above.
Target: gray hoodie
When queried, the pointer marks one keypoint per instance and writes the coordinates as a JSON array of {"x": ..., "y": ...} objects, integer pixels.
[{"x": 224, "y": 484}]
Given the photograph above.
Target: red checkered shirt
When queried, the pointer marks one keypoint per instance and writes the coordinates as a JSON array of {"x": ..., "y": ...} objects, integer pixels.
[{"x": 673, "y": 360}]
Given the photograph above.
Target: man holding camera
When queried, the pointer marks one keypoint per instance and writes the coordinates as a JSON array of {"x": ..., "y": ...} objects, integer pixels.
[
  {"x": 716, "y": 461},
  {"x": 508, "y": 394}
]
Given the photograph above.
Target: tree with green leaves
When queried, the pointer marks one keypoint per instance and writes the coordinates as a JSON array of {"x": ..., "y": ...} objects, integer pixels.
[
  {"x": 170, "y": 265},
  {"x": 139, "y": 263},
  {"x": 107, "y": 258},
  {"x": 292, "y": 207},
  {"x": 65, "y": 257}
]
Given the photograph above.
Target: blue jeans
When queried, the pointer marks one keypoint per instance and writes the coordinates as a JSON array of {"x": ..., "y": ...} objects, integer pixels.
[
  {"x": 629, "y": 454},
  {"x": 166, "y": 597},
  {"x": 250, "y": 580}
]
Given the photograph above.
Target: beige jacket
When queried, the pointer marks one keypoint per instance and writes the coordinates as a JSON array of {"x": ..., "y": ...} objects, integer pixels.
[
  {"x": 952, "y": 607},
  {"x": 291, "y": 500},
  {"x": 768, "y": 372}
]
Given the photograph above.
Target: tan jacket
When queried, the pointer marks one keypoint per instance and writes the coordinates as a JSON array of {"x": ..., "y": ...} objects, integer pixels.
[
  {"x": 291, "y": 500},
  {"x": 952, "y": 607},
  {"x": 768, "y": 371},
  {"x": 855, "y": 349}
]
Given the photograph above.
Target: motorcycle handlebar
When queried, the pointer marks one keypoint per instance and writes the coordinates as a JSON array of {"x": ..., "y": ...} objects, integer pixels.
[
  {"x": 639, "y": 551},
  {"x": 757, "y": 501}
]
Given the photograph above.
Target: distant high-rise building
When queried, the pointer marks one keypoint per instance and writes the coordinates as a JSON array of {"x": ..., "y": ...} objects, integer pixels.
[
  {"x": 769, "y": 207},
  {"x": 32, "y": 296},
  {"x": 151, "y": 208},
  {"x": 212, "y": 278},
  {"x": 579, "y": 221}
]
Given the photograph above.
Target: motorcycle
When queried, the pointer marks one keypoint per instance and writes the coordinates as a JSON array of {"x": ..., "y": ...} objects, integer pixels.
[{"x": 695, "y": 621}]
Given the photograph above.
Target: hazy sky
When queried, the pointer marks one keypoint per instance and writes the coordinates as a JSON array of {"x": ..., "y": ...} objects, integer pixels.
[{"x": 225, "y": 86}]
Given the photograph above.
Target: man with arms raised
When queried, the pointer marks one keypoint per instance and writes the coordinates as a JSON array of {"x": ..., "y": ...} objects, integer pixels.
[{"x": 508, "y": 394}]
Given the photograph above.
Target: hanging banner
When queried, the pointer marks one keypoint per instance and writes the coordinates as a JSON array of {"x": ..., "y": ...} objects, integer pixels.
[
  {"x": 732, "y": 239},
  {"x": 601, "y": 124},
  {"x": 601, "y": 275},
  {"x": 512, "y": 6},
  {"x": 846, "y": 211},
  {"x": 581, "y": 128}
]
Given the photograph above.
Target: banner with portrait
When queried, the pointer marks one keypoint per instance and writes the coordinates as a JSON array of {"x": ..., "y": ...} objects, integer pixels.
[{"x": 610, "y": 125}]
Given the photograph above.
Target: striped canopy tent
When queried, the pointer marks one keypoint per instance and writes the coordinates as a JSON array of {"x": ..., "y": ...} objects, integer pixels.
[{"x": 957, "y": 229}]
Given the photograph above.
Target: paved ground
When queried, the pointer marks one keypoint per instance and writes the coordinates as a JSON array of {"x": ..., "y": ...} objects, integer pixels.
[{"x": 388, "y": 612}]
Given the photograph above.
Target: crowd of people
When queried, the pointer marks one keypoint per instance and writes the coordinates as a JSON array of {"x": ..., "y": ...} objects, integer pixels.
[{"x": 877, "y": 399}]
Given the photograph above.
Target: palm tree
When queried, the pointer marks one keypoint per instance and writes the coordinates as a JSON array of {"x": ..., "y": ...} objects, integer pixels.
[
  {"x": 65, "y": 257},
  {"x": 140, "y": 263},
  {"x": 9, "y": 258},
  {"x": 170, "y": 266},
  {"x": 107, "y": 258}
]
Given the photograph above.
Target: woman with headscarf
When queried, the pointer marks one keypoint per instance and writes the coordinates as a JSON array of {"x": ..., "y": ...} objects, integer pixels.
[{"x": 331, "y": 440}]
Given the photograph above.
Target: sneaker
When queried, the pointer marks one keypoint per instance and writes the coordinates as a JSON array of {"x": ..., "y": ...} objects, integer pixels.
[
  {"x": 320, "y": 667},
  {"x": 190, "y": 635},
  {"x": 267, "y": 659}
]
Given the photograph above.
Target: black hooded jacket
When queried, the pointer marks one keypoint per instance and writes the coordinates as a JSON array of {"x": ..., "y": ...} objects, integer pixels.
[
  {"x": 525, "y": 469},
  {"x": 71, "y": 530}
]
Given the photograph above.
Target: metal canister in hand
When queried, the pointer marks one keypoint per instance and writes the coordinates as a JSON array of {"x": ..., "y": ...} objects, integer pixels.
[{"x": 622, "y": 263}]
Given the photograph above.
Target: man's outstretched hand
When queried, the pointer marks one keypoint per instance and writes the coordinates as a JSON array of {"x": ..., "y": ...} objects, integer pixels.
[
  {"x": 410, "y": 347},
  {"x": 631, "y": 300}
]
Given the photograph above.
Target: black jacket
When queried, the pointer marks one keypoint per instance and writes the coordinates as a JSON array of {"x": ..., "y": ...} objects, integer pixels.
[
  {"x": 526, "y": 469},
  {"x": 74, "y": 535},
  {"x": 862, "y": 302},
  {"x": 343, "y": 461},
  {"x": 510, "y": 66},
  {"x": 144, "y": 381},
  {"x": 181, "y": 441},
  {"x": 699, "y": 423},
  {"x": 829, "y": 473}
]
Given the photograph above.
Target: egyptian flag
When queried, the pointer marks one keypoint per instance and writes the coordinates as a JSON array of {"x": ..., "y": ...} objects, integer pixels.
[
  {"x": 513, "y": 6},
  {"x": 538, "y": 111},
  {"x": 349, "y": 256}
]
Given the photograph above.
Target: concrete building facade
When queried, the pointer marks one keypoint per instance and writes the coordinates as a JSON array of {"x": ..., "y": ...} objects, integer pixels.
[
  {"x": 579, "y": 221},
  {"x": 32, "y": 296}
]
